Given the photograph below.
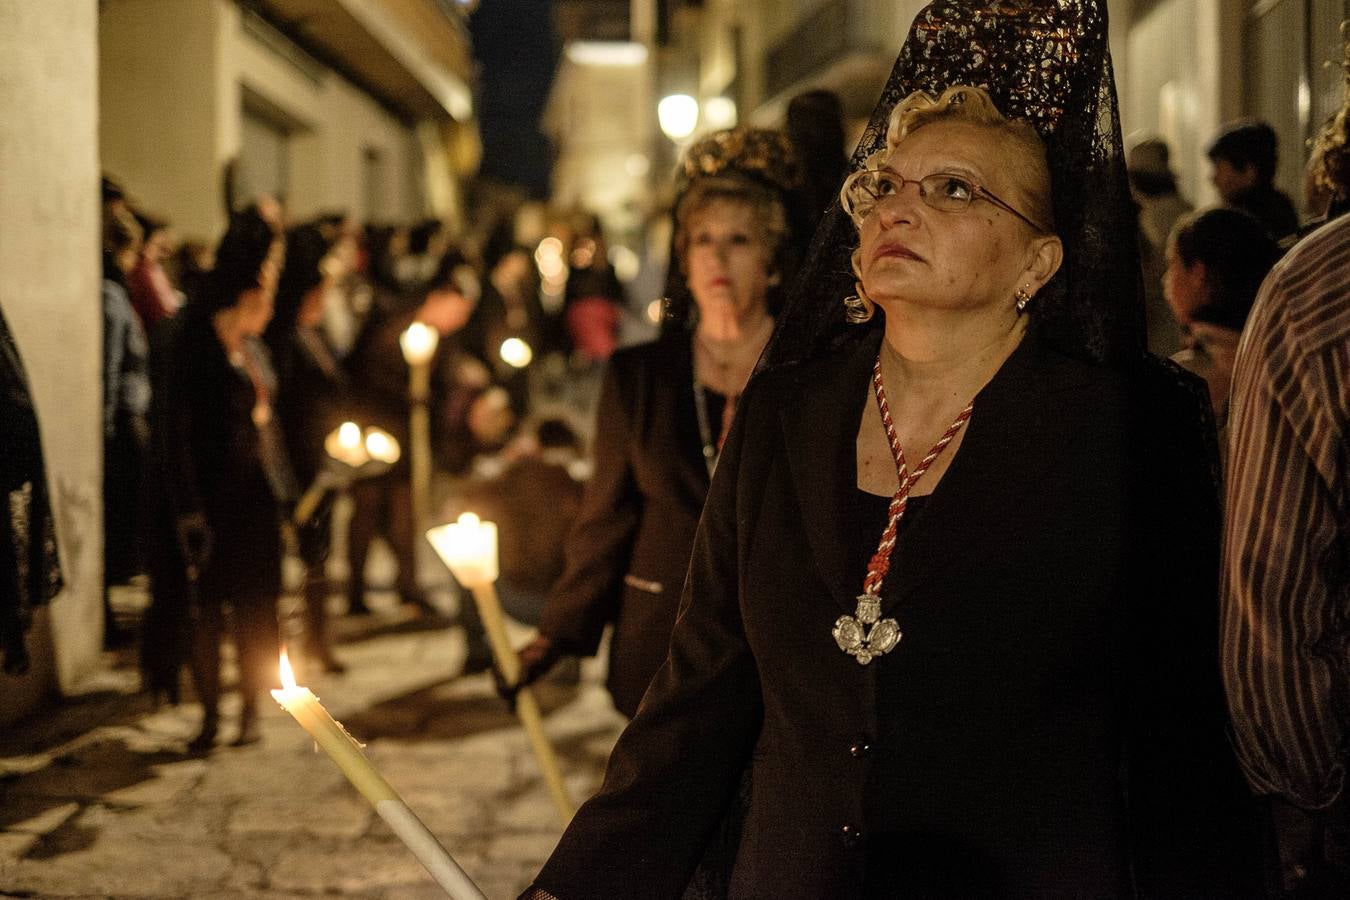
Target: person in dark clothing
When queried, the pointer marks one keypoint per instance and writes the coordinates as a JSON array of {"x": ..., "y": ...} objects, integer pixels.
[
  {"x": 126, "y": 404},
  {"x": 1216, "y": 261},
  {"x": 224, "y": 480},
  {"x": 815, "y": 125},
  {"x": 30, "y": 567},
  {"x": 534, "y": 500},
  {"x": 964, "y": 647},
  {"x": 378, "y": 375},
  {"x": 311, "y": 403},
  {"x": 665, "y": 410},
  {"x": 1244, "y": 154}
]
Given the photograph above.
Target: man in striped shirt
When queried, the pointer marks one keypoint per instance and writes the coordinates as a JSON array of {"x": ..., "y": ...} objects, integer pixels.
[{"x": 1286, "y": 570}]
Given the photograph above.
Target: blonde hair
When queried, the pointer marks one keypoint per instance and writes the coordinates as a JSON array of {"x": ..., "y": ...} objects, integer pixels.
[{"x": 972, "y": 106}]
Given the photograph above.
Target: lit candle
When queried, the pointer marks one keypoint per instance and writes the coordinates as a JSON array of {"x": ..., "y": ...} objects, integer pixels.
[
  {"x": 381, "y": 446},
  {"x": 345, "y": 445},
  {"x": 468, "y": 547},
  {"x": 516, "y": 353},
  {"x": 419, "y": 343},
  {"x": 343, "y": 750}
]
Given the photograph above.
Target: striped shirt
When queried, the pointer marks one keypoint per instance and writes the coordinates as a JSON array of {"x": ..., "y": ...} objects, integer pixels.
[{"x": 1286, "y": 570}]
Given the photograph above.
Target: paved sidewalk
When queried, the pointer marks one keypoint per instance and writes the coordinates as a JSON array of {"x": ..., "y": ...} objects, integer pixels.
[{"x": 98, "y": 799}]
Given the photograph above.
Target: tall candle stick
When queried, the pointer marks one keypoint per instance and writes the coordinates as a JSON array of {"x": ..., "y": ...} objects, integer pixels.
[
  {"x": 343, "y": 750},
  {"x": 469, "y": 548}
]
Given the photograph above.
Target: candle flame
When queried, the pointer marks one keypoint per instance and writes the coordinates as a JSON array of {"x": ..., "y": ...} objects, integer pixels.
[
  {"x": 287, "y": 676},
  {"x": 516, "y": 353},
  {"x": 381, "y": 446},
  {"x": 349, "y": 435}
]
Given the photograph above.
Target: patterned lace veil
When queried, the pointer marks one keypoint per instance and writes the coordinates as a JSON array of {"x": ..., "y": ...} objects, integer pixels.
[{"x": 1046, "y": 61}]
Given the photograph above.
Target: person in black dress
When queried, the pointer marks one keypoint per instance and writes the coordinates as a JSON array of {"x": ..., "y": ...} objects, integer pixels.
[
  {"x": 664, "y": 413},
  {"x": 947, "y": 605},
  {"x": 223, "y": 480}
]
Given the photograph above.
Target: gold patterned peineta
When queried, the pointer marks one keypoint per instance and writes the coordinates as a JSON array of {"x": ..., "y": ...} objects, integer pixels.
[{"x": 753, "y": 152}]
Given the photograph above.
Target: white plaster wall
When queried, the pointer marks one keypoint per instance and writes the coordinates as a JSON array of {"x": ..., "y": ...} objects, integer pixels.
[
  {"x": 1182, "y": 79},
  {"x": 172, "y": 119},
  {"x": 49, "y": 289},
  {"x": 161, "y": 128}
]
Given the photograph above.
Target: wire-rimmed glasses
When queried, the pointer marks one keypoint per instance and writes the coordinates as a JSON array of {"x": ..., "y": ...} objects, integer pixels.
[{"x": 945, "y": 191}]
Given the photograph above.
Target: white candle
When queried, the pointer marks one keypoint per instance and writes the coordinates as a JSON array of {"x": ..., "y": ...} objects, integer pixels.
[
  {"x": 343, "y": 750},
  {"x": 419, "y": 343},
  {"x": 381, "y": 446},
  {"x": 468, "y": 547}
]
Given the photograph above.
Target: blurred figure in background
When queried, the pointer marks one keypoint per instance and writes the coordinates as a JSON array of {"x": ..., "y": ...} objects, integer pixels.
[
  {"x": 815, "y": 125},
  {"x": 223, "y": 481},
  {"x": 1244, "y": 155},
  {"x": 1153, "y": 185},
  {"x": 378, "y": 376},
  {"x": 593, "y": 302},
  {"x": 1216, "y": 261},
  {"x": 126, "y": 403},
  {"x": 665, "y": 409},
  {"x": 534, "y": 499},
  {"x": 312, "y": 402},
  {"x": 152, "y": 294}
]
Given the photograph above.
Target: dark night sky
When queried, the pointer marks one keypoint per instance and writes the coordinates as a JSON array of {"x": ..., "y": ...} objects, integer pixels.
[{"x": 517, "y": 51}]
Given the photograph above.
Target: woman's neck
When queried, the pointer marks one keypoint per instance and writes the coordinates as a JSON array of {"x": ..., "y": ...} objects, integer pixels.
[
  {"x": 727, "y": 346},
  {"x": 933, "y": 353}
]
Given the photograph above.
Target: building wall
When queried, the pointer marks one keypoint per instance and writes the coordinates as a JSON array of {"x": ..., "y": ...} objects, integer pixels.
[
  {"x": 1183, "y": 79},
  {"x": 49, "y": 288},
  {"x": 190, "y": 107},
  {"x": 160, "y": 110}
]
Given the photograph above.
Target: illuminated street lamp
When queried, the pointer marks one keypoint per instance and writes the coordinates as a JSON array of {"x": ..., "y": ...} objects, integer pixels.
[{"x": 678, "y": 115}]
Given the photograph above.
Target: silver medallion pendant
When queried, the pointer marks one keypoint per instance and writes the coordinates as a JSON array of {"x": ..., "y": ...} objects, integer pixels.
[{"x": 865, "y": 635}]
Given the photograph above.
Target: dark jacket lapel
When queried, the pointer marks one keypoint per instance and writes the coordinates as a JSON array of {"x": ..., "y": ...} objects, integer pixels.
[{"x": 820, "y": 433}]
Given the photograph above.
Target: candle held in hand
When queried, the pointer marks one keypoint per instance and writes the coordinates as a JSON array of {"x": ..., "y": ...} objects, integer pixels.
[
  {"x": 346, "y": 753},
  {"x": 469, "y": 548}
]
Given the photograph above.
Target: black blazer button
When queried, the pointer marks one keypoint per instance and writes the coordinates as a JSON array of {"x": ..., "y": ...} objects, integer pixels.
[
  {"x": 860, "y": 748},
  {"x": 851, "y": 835}
]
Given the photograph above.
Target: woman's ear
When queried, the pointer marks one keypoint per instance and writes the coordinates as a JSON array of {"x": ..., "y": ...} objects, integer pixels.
[{"x": 1047, "y": 254}]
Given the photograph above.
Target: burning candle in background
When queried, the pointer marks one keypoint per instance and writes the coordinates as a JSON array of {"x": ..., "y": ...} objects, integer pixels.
[
  {"x": 419, "y": 343},
  {"x": 345, "y": 445},
  {"x": 516, "y": 353},
  {"x": 381, "y": 446},
  {"x": 468, "y": 547},
  {"x": 343, "y": 750}
]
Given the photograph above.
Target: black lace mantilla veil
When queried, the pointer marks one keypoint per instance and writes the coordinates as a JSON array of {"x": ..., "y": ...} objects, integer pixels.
[
  {"x": 30, "y": 570},
  {"x": 1046, "y": 61}
]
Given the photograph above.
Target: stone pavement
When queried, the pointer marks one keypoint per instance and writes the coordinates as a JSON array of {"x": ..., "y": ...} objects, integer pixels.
[{"x": 98, "y": 799}]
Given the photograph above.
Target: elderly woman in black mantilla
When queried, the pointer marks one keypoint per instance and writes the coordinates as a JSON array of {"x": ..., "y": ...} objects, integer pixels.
[
  {"x": 223, "y": 481},
  {"x": 665, "y": 411},
  {"x": 952, "y": 599}
]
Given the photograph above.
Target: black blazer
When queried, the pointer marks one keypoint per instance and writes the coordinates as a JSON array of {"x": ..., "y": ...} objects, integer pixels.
[
  {"x": 1051, "y": 723},
  {"x": 628, "y": 552}
]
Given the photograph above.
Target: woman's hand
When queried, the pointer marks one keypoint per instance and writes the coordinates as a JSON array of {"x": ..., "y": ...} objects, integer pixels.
[{"x": 536, "y": 659}]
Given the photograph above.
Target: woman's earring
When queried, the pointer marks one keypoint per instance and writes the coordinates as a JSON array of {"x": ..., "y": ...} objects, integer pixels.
[
  {"x": 857, "y": 309},
  {"x": 1023, "y": 298}
]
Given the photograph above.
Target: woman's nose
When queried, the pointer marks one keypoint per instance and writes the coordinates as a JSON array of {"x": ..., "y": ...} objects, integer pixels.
[{"x": 898, "y": 207}]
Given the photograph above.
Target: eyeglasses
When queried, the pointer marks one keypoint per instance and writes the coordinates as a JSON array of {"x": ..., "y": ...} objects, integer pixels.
[{"x": 943, "y": 191}]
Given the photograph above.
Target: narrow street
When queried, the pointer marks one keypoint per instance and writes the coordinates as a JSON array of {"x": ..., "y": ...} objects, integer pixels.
[{"x": 98, "y": 799}]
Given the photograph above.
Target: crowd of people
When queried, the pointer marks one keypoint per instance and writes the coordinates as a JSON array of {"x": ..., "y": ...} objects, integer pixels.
[
  {"x": 914, "y": 563},
  {"x": 226, "y": 371}
]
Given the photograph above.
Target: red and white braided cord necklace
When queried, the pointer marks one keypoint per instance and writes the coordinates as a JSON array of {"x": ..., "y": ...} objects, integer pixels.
[{"x": 863, "y": 635}]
